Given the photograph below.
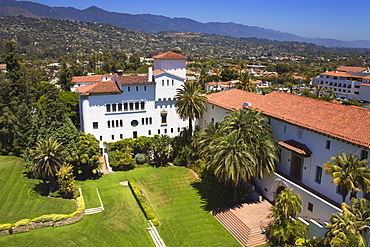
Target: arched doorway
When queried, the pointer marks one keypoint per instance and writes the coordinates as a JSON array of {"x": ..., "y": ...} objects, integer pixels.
[{"x": 279, "y": 190}]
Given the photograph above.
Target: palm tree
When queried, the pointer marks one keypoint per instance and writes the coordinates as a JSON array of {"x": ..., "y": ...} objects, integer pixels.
[
  {"x": 349, "y": 172},
  {"x": 246, "y": 83},
  {"x": 319, "y": 90},
  {"x": 284, "y": 229},
  {"x": 47, "y": 158},
  {"x": 190, "y": 103},
  {"x": 231, "y": 161},
  {"x": 348, "y": 228}
]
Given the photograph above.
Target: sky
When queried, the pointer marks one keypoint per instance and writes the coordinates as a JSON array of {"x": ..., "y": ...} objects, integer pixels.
[{"x": 337, "y": 19}]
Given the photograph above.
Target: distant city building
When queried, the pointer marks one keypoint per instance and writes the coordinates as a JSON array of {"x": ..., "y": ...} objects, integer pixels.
[{"x": 347, "y": 85}]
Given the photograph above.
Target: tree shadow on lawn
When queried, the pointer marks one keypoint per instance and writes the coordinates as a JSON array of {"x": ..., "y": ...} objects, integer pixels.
[
  {"x": 212, "y": 202},
  {"x": 41, "y": 188}
]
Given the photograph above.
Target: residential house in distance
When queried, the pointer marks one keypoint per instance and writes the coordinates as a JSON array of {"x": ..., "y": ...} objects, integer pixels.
[
  {"x": 86, "y": 80},
  {"x": 309, "y": 132},
  {"x": 353, "y": 69},
  {"x": 134, "y": 105}
]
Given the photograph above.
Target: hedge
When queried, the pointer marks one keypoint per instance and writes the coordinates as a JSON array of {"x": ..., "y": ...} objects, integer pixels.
[
  {"x": 48, "y": 217},
  {"x": 149, "y": 214}
]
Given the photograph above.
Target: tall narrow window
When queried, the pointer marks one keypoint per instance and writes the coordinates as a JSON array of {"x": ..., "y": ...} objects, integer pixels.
[
  {"x": 108, "y": 123},
  {"x": 168, "y": 82},
  {"x": 131, "y": 106},
  {"x": 95, "y": 125},
  {"x": 144, "y": 88},
  {"x": 318, "y": 174},
  {"x": 119, "y": 106},
  {"x": 125, "y": 106},
  {"x": 112, "y": 123},
  {"x": 142, "y": 105},
  {"x": 137, "y": 106},
  {"x": 142, "y": 121},
  {"x": 137, "y": 88},
  {"x": 310, "y": 207},
  {"x": 120, "y": 136},
  {"x": 165, "y": 131},
  {"x": 121, "y": 123},
  {"x": 162, "y": 83},
  {"x": 159, "y": 131},
  {"x": 164, "y": 117},
  {"x": 149, "y": 132},
  {"x": 328, "y": 143},
  {"x": 146, "y": 121},
  {"x": 171, "y": 130},
  {"x": 101, "y": 138},
  {"x": 116, "y": 123},
  {"x": 114, "y": 107},
  {"x": 364, "y": 154},
  {"x": 134, "y": 134},
  {"x": 112, "y": 137},
  {"x": 150, "y": 120},
  {"x": 284, "y": 129},
  {"x": 128, "y": 89},
  {"x": 172, "y": 82},
  {"x": 107, "y": 107}
]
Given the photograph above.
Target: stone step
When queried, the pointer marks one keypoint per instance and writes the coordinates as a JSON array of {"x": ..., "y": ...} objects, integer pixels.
[
  {"x": 93, "y": 210},
  {"x": 256, "y": 238},
  {"x": 235, "y": 226}
]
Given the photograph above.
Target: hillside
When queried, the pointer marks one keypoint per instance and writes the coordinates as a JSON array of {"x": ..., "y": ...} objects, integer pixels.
[
  {"x": 155, "y": 23},
  {"x": 55, "y": 38}
]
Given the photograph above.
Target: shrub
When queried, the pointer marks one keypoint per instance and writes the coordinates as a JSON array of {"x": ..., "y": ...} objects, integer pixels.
[
  {"x": 23, "y": 222},
  {"x": 43, "y": 218},
  {"x": 140, "y": 158},
  {"x": 143, "y": 204},
  {"x": 6, "y": 226},
  {"x": 59, "y": 217}
]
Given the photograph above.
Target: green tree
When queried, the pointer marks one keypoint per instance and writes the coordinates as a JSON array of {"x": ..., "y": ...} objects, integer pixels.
[
  {"x": 285, "y": 228},
  {"x": 246, "y": 83},
  {"x": 46, "y": 159},
  {"x": 348, "y": 228},
  {"x": 121, "y": 161},
  {"x": 190, "y": 103},
  {"x": 161, "y": 150},
  {"x": 85, "y": 155},
  {"x": 66, "y": 181},
  {"x": 349, "y": 172},
  {"x": 65, "y": 78},
  {"x": 229, "y": 74},
  {"x": 70, "y": 102}
]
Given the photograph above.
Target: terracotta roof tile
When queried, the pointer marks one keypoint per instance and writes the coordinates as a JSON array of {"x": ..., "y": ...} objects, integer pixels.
[
  {"x": 347, "y": 123},
  {"x": 342, "y": 74},
  {"x": 296, "y": 147},
  {"x": 89, "y": 78},
  {"x": 158, "y": 72},
  {"x": 351, "y": 69},
  {"x": 170, "y": 56},
  {"x": 129, "y": 80},
  {"x": 99, "y": 88}
]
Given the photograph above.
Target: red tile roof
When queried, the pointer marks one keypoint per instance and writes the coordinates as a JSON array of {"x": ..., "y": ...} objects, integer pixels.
[
  {"x": 351, "y": 69},
  {"x": 158, "y": 71},
  {"x": 127, "y": 80},
  {"x": 89, "y": 78},
  {"x": 99, "y": 88},
  {"x": 347, "y": 123},
  {"x": 342, "y": 74},
  {"x": 170, "y": 56},
  {"x": 296, "y": 147}
]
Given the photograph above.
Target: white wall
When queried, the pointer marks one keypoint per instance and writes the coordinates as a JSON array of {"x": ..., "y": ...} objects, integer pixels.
[{"x": 176, "y": 67}]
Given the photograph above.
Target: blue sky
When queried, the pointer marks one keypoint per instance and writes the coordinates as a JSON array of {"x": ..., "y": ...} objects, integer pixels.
[{"x": 337, "y": 19}]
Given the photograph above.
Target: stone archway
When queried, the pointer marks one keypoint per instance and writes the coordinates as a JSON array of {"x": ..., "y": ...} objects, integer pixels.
[{"x": 277, "y": 187}]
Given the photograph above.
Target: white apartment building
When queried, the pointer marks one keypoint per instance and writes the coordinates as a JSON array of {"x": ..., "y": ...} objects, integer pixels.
[
  {"x": 309, "y": 132},
  {"x": 134, "y": 105},
  {"x": 347, "y": 85}
]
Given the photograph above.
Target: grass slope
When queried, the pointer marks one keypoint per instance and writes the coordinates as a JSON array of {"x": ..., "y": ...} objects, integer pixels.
[
  {"x": 180, "y": 202},
  {"x": 18, "y": 200}
]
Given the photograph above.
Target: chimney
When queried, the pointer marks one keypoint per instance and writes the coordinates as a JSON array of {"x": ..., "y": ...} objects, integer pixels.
[{"x": 150, "y": 74}]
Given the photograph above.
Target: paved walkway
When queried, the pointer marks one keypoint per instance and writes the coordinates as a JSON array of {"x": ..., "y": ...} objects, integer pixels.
[{"x": 104, "y": 169}]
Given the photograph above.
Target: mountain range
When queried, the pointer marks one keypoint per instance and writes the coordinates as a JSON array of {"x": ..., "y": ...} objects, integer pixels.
[{"x": 156, "y": 23}]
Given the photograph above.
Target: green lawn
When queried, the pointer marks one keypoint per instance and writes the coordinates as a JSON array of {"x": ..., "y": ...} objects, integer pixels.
[
  {"x": 18, "y": 199},
  {"x": 180, "y": 202}
]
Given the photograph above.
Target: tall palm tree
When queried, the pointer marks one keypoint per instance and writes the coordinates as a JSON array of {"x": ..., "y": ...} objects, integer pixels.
[
  {"x": 284, "y": 230},
  {"x": 256, "y": 132},
  {"x": 246, "y": 83},
  {"x": 319, "y": 90},
  {"x": 190, "y": 103},
  {"x": 47, "y": 158},
  {"x": 349, "y": 172},
  {"x": 287, "y": 205},
  {"x": 231, "y": 161}
]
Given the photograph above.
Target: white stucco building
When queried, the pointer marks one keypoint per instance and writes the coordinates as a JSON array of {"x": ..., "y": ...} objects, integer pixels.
[
  {"x": 347, "y": 85},
  {"x": 309, "y": 132},
  {"x": 134, "y": 105}
]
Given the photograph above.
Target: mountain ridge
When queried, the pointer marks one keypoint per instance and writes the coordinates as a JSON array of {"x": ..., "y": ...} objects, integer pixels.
[{"x": 157, "y": 23}]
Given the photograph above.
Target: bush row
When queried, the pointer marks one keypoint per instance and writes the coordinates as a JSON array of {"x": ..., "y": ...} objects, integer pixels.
[
  {"x": 48, "y": 217},
  {"x": 143, "y": 204}
]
